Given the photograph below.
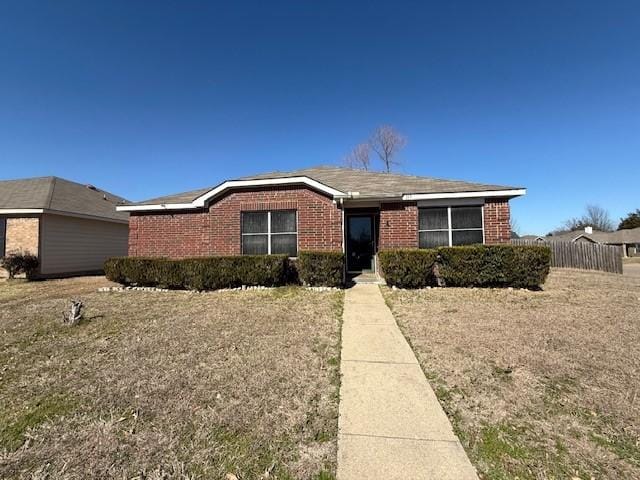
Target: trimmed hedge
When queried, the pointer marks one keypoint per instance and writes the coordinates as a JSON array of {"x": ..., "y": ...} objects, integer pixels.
[
  {"x": 206, "y": 273},
  {"x": 321, "y": 268},
  {"x": 517, "y": 266},
  {"x": 408, "y": 268},
  {"x": 212, "y": 273}
]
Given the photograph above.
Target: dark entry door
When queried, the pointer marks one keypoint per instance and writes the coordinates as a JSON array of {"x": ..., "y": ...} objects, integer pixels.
[{"x": 360, "y": 243}]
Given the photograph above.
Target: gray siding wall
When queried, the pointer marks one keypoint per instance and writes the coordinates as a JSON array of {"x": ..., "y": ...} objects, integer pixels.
[{"x": 70, "y": 244}]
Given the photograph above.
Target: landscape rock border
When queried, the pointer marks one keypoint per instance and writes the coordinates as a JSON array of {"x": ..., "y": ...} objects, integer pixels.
[{"x": 236, "y": 289}]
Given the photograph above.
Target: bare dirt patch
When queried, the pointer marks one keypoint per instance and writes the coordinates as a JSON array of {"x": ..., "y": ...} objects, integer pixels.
[
  {"x": 168, "y": 385},
  {"x": 537, "y": 384}
]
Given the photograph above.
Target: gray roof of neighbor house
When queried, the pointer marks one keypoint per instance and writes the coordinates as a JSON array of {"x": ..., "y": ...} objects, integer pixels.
[
  {"x": 60, "y": 195},
  {"x": 618, "y": 237},
  {"x": 367, "y": 184}
]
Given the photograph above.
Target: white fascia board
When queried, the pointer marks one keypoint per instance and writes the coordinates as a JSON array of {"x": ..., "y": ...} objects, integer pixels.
[
  {"x": 489, "y": 193},
  {"x": 267, "y": 182},
  {"x": 143, "y": 208},
  {"x": 201, "y": 201},
  {"x": 17, "y": 211}
]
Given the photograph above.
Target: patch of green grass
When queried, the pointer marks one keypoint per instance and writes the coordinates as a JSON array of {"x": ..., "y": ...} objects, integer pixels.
[
  {"x": 12, "y": 431},
  {"x": 247, "y": 457},
  {"x": 624, "y": 446},
  {"x": 284, "y": 292},
  {"x": 323, "y": 475},
  {"x": 497, "y": 446},
  {"x": 333, "y": 361}
]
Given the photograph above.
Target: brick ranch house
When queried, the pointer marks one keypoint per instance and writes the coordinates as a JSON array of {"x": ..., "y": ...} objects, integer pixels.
[{"x": 324, "y": 208}]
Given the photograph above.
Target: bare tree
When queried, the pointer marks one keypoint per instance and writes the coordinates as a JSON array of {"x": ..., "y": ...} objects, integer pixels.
[
  {"x": 359, "y": 157},
  {"x": 594, "y": 216},
  {"x": 387, "y": 142},
  {"x": 515, "y": 228}
]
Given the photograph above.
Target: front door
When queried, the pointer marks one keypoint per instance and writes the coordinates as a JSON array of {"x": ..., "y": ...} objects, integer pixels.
[{"x": 360, "y": 243}]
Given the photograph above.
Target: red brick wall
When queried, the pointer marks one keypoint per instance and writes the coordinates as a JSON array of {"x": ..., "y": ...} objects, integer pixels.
[
  {"x": 398, "y": 225},
  {"x": 497, "y": 228},
  {"x": 319, "y": 219},
  {"x": 169, "y": 234},
  {"x": 217, "y": 231}
]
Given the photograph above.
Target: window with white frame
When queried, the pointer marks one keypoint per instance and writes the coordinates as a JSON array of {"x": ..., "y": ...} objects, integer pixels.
[
  {"x": 270, "y": 232},
  {"x": 448, "y": 226}
]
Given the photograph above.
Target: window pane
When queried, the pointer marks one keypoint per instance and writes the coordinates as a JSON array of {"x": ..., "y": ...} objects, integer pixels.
[
  {"x": 254, "y": 222},
  {"x": 285, "y": 244},
  {"x": 466, "y": 237},
  {"x": 434, "y": 239},
  {"x": 434, "y": 219},
  {"x": 466, "y": 217},
  {"x": 254, "y": 245},
  {"x": 283, "y": 221}
]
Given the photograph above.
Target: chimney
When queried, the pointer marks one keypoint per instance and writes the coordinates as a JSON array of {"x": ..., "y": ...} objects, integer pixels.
[{"x": 588, "y": 230}]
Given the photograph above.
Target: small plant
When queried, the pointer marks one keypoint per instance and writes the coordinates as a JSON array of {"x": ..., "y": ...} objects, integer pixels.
[
  {"x": 75, "y": 313},
  {"x": 19, "y": 263}
]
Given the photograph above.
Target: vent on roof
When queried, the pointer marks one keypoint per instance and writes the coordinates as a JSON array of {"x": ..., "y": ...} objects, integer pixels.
[
  {"x": 588, "y": 230},
  {"x": 91, "y": 187}
]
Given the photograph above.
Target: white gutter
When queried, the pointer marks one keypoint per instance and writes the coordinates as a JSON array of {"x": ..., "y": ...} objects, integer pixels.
[
  {"x": 31, "y": 211},
  {"x": 490, "y": 193},
  {"x": 163, "y": 206},
  {"x": 14, "y": 211}
]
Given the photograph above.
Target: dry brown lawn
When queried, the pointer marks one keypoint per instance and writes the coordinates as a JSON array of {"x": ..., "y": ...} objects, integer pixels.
[
  {"x": 168, "y": 385},
  {"x": 539, "y": 385}
]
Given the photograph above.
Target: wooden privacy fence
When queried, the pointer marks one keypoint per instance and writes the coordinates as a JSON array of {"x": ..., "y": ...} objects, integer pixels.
[{"x": 587, "y": 256}]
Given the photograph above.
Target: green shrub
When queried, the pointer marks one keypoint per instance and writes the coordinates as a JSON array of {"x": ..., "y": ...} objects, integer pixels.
[
  {"x": 408, "y": 268},
  {"x": 516, "y": 266},
  {"x": 206, "y": 273},
  {"x": 19, "y": 263},
  {"x": 321, "y": 268},
  {"x": 211, "y": 273}
]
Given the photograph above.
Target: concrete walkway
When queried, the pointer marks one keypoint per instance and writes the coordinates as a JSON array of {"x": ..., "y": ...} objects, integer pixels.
[{"x": 391, "y": 425}]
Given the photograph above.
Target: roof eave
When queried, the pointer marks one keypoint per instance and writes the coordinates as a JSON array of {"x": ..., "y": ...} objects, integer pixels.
[
  {"x": 201, "y": 201},
  {"x": 510, "y": 193}
]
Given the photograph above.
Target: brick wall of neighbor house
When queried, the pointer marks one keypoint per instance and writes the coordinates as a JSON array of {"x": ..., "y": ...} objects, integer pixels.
[
  {"x": 398, "y": 225},
  {"x": 497, "y": 226},
  {"x": 22, "y": 235},
  {"x": 217, "y": 232},
  {"x": 319, "y": 219}
]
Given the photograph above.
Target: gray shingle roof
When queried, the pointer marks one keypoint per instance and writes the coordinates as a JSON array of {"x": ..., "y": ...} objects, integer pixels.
[
  {"x": 378, "y": 184},
  {"x": 618, "y": 237},
  {"x": 58, "y": 194},
  {"x": 368, "y": 184}
]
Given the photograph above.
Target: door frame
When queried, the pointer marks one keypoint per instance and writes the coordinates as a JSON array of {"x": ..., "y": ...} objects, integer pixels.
[{"x": 374, "y": 229}]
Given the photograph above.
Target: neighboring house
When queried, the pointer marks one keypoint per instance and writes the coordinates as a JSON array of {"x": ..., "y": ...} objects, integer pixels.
[
  {"x": 72, "y": 228},
  {"x": 323, "y": 208},
  {"x": 628, "y": 240},
  {"x": 532, "y": 238}
]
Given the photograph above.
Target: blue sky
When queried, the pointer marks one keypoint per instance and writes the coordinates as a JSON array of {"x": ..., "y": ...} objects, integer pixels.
[{"x": 150, "y": 98}]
